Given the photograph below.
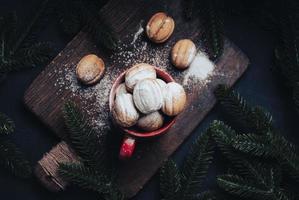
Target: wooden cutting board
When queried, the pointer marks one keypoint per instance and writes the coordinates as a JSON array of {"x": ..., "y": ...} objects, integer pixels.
[{"x": 57, "y": 83}]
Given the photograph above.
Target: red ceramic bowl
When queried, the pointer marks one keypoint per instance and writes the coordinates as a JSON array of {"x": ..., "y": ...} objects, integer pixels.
[{"x": 128, "y": 145}]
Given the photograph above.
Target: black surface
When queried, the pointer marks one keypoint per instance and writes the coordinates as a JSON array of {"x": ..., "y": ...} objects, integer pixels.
[{"x": 259, "y": 86}]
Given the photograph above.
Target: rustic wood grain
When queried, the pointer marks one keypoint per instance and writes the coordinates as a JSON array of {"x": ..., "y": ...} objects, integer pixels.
[
  {"x": 46, "y": 101},
  {"x": 46, "y": 168}
]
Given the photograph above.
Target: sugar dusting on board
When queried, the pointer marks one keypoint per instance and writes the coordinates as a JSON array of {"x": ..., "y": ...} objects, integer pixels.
[
  {"x": 200, "y": 68},
  {"x": 94, "y": 99},
  {"x": 137, "y": 34}
]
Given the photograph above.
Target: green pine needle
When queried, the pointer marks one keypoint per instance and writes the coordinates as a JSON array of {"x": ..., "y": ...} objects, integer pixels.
[
  {"x": 102, "y": 33},
  {"x": 224, "y": 138},
  {"x": 78, "y": 14},
  {"x": 196, "y": 165},
  {"x": 214, "y": 30},
  {"x": 254, "y": 144},
  {"x": 18, "y": 47},
  {"x": 213, "y": 24},
  {"x": 83, "y": 138},
  {"x": 7, "y": 126},
  {"x": 95, "y": 173},
  {"x": 273, "y": 146},
  {"x": 207, "y": 195},
  {"x": 13, "y": 159},
  {"x": 170, "y": 180},
  {"x": 186, "y": 184},
  {"x": 84, "y": 177},
  {"x": 90, "y": 179},
  {"x": 241, "y": 187},
  {"x": 265, "y": 186},
  {"x": 253, "y": 118},
  {"x": 214, "y": 35},
  {"x": 75, "y": 14}
]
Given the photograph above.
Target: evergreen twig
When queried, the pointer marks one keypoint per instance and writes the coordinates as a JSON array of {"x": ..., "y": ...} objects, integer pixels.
[
  {"x": 85, "y": 141},
  {"x": 255, "y": 119},
  {"x": 18, "y": 47},
  {"x": 102, "y": 33},
  {"x": 185, "y": 185},
  {"x": 241, "y": 187},
  {"x": 214, "y": 30},
  {"x": 75, "y": 14},
  {"x": 7, "y": 126},
  {"x": 170, "y": 180},
  {"x": 13, "y": 159},
  {"x": 273, "y": 146},
  {"x": 196, "y": 165},
  {"x": 81, "y": 14},
  {"x": 95, "y": 173},
  {"x": 90, "y": 179},
  {"x": 247, "y": 189},
  {"x": 84, "y": 177},
  {"x": 212, "y": 22},
  {"x": 207, "y": 195}
]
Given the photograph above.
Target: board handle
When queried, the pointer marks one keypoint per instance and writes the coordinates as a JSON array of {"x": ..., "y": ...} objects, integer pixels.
[{"x": 127, "y": 148}]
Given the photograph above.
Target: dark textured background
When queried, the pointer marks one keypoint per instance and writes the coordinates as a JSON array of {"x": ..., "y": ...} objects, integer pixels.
[{"x": 259, "y": 85}]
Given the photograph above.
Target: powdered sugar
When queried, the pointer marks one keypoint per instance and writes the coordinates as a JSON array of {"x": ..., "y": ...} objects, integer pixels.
[
  {"x": 95, "y": 99},
  {"x": 200, "y": 68},
  {"x": 137, "y": 34}
]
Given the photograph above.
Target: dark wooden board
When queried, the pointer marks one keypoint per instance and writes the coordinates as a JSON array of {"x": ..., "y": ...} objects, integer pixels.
[{"x": 48, "y": 92}]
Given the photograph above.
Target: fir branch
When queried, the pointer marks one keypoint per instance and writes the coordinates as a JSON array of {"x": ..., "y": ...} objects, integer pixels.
[
  {"x": 95, "y": 173},
  {"x": 170, "y": 180},
  {"x": 223, "y": 135},
  {"x": 254, "y": 144},
  {"x": 207, "y": 195},
  {"x": 23, "y": 38},
  {"x": 84, "y": 177},
  {"x": 249, "y": 168},
  {"x": 75, "y": 14},
  {"x": 214, "y": 30},
  {"x": 83, "y": 138},
  {"x": 18, "y": 46},
  {"x": 265, "y": 186},
  {"x": 13, "y": 159},
  {"x": 224, "y": 138},
  {"x": 253, "y": 118},
  {"x": 241, "y": 187},
  {"x": 7, "y": 126},
  {"x": 196, "y": 165},
  {"x": 185, "y": 185},
  {"x": 90, "y": 179},
  {"x": 38, "y": 53},
  {"x": 8, "y": 29},
  {"x": 102, "y": 33},
  {"x": 272, "y": 145},
  {"x": 212, "y": 21},
  {"x": 32, "y": 56},
  {"x": 81, "y": 14}
]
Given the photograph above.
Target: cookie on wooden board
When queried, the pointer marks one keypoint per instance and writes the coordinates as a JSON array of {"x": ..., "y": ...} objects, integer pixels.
[{"x": 90, "y": 69}]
